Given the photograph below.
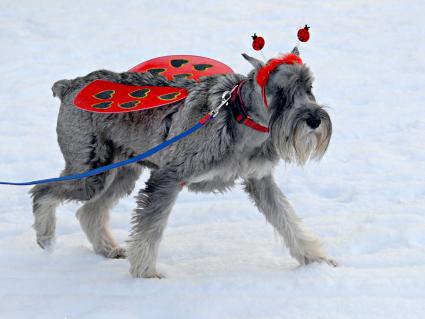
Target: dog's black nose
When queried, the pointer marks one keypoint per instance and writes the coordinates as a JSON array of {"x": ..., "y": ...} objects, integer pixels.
[{"x": 313, "y": 122}]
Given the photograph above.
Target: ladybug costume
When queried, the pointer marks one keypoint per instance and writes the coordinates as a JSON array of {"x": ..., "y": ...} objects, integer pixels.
[{"x": 102, "y": 96}]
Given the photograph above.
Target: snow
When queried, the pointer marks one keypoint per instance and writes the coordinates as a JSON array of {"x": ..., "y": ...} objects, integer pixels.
[{"x": 365, "y": 200}]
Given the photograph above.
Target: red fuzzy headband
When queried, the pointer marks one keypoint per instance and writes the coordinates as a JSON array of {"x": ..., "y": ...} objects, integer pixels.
[{"x": 264, "y": 73}]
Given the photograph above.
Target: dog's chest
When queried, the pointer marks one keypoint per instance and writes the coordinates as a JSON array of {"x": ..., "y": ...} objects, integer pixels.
[{"x": 228, "y": 173}]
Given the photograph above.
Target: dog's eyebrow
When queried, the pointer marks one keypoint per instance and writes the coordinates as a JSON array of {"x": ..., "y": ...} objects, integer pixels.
[
  {"x": 305, "y": 77},
  {"x": 301, "y": 76}
]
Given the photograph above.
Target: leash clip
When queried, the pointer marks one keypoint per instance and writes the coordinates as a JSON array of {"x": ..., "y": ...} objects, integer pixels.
[{"x": 224, "y": 100}]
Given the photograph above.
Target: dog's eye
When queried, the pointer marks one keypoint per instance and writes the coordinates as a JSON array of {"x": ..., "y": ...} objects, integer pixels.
[{"x": 309, "y": 90}]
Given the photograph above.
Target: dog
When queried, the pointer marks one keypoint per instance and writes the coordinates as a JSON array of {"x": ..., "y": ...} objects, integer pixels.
[{"x": 275, "y": 95}]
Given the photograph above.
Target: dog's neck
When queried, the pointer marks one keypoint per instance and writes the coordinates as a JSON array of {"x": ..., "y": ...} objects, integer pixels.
[
  {"x": 250, "y": 95},
  {"x": 248, "y": 139}
]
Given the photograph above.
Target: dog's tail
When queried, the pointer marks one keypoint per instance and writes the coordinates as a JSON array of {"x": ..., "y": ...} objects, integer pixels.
[{"x": 61, "y": 88}]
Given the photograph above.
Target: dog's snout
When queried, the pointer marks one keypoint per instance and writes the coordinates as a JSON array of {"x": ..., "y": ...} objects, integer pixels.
[{"x": 313, "y": 122}]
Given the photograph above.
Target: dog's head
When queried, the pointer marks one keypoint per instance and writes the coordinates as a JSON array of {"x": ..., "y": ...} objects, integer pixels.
[{"x": 300, "y": 128}]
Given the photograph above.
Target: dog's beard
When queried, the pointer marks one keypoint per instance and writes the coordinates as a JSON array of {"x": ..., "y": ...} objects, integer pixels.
[{"x": 295, "y": 141}]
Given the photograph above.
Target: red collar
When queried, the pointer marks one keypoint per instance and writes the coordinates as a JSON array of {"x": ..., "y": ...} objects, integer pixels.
[{"x": 240, "y": 112}]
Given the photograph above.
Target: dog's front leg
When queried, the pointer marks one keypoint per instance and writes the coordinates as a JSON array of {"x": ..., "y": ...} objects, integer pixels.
[
  {"x": 275, "y": 207},
  {"x": 154, "y": 204}
]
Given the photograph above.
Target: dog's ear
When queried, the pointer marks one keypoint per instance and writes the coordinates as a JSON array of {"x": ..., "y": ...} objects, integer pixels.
[
  {"x": 295, "y": 51},
  {"x": 257, "y": 64}
]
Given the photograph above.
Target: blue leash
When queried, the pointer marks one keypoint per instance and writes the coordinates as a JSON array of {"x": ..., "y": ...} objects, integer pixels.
[{"x": 134, "y": 159}]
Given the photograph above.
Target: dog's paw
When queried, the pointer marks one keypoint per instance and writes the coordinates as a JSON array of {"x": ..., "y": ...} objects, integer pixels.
[
  {"x": 150, "y": 275},
  {"x": 155, "y": 275},
  {"x": 46, "y": 242},
  {"x": 318, "y": 259},
  {"x": 330, "y": 262},
  {"x": 117, "y": 253}
]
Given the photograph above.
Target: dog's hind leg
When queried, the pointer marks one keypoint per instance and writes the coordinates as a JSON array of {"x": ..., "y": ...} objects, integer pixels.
[
  {"x": 94, "y": 214},
  {"x": 47, "y": 197},
  {"x": 269, "y": 199},
  {"x": 99, "y": 193},
  {"x": 45, "y": 202},
  {"x": 154, "y": 205}
]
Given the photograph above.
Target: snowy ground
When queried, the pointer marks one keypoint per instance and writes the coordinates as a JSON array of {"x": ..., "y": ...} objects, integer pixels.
[{"x": 365, "y": 199}]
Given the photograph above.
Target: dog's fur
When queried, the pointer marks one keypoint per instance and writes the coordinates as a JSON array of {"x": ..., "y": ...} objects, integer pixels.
[{"x": 211, "y": 159}]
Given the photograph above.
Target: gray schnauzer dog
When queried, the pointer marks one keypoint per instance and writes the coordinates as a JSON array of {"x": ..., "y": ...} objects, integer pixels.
[{"x": 210, "y": 160}]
